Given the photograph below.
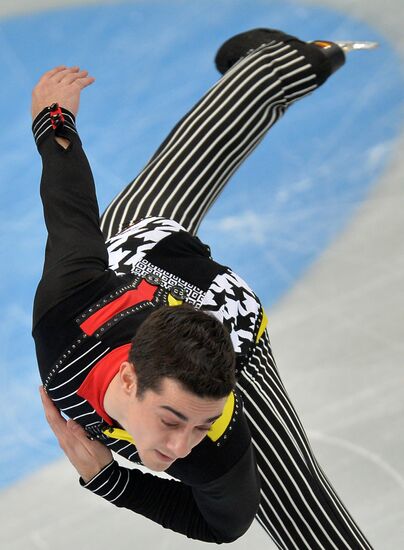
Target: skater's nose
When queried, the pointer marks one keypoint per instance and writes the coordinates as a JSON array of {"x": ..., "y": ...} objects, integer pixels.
[{"x": 180, "y": 443}]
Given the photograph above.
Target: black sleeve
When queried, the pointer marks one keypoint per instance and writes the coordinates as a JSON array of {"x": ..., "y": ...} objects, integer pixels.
[
  {"x": 218, "y": 493},
  {"x": 219, "y": 511},
  {"x": 75, "y": 250},
  {"x": 229, "y": 504}
]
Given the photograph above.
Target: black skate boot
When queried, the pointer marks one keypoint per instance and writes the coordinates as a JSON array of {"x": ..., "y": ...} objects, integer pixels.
[{"x": 326, "y": 56}]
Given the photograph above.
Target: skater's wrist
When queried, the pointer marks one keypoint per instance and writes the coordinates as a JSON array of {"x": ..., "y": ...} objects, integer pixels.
[{"x": 55, "y": 121}]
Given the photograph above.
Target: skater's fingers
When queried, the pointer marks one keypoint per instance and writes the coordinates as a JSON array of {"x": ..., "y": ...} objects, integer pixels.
[
  {"x": 73, "y": 76},
  {"x": 62, "y": 85},
  {"x": 78, "y": 431},
  {"x": 52, "y": 72},
  {"x": 84, "y": 82},
  {"x": 52, "y": 414},
  {"x": 65, "y": 73}
]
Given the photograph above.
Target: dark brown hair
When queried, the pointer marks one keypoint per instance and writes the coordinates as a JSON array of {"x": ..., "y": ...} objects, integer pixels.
[{"x": 186, "y": 345}]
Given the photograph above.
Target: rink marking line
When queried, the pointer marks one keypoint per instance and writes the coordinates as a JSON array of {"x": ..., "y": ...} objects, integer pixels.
[{"x": 361, "y": 451}]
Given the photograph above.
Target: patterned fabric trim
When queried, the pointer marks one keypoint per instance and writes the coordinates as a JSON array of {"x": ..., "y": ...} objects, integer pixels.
[
  {"x": 191, "y": 293},
  {"x": 233, "y": 302},
  {"x": 139, "y": 239}
]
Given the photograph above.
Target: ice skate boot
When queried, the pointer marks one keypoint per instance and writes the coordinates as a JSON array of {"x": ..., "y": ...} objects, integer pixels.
[{"x": 326, "y": 56}]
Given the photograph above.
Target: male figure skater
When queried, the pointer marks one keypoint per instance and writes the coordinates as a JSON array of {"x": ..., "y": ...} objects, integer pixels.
[{"x": 154, "y": 350}]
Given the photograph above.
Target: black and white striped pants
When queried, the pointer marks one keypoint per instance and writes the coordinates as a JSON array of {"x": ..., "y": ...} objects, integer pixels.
[{"x": 299, "y": 509}]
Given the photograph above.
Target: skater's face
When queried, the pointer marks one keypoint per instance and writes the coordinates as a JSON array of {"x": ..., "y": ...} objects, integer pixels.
[{"x": 167, "y": 425}]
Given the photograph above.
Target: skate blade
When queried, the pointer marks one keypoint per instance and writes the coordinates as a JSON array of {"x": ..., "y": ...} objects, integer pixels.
[{"x": 351, "y": 45}]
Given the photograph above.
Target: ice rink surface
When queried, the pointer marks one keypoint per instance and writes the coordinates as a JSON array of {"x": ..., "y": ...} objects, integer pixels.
[{"x": 336, "y": 323}]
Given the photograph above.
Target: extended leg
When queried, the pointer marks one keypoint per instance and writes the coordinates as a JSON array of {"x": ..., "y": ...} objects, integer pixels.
[
  {"x": 299, "y": 507},
  {"x": 267, "y": 71}
]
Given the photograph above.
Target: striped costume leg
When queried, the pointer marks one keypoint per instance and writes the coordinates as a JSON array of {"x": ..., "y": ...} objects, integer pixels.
[
  {"x": 299, "y": 508},
  {"x": 191, "y": 167}
]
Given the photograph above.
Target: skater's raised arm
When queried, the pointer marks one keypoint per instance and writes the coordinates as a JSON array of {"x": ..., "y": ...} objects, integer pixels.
[{"x": 75, "y": 250}]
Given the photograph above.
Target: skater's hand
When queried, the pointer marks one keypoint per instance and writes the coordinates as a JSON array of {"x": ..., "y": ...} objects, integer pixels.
[
  {"x": 61, "y": 85},
  {"x": 87, "y": 456}
]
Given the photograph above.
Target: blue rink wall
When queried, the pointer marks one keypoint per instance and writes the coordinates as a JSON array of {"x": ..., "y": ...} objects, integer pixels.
[{"x": 152, "y": 61}]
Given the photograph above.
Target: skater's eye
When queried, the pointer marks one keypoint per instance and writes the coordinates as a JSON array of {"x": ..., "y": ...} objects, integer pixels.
[
  {"x": 204, "y": 428},
  {"x": 169, "y": 424},
  {"x": 175, "y": 425}
]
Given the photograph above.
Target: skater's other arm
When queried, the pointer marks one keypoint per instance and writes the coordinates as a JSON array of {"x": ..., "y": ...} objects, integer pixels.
[{"x": 89, "y": 457}]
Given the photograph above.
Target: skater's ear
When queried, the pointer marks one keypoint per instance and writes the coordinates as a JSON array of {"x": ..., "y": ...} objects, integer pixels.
[{"x": 128, "y": 378}]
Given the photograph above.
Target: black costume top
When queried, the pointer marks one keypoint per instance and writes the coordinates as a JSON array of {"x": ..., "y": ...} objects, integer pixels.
[{"x": 215, "y": 493}]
